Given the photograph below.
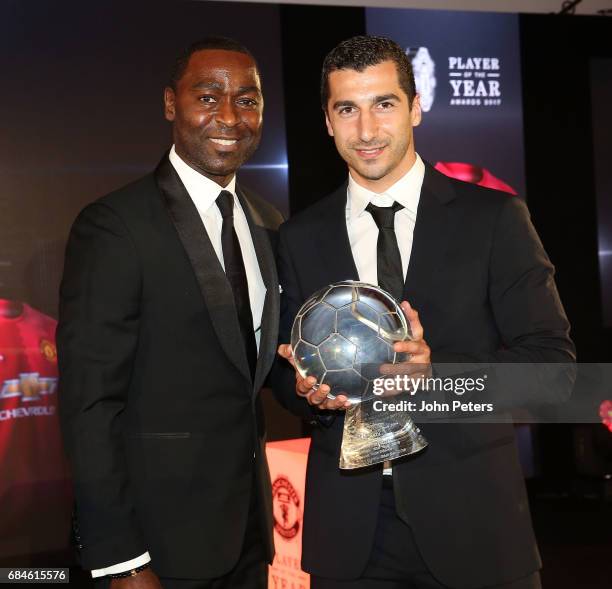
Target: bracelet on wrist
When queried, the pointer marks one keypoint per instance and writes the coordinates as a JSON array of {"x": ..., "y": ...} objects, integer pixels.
[{"x": 130, "y": 573}]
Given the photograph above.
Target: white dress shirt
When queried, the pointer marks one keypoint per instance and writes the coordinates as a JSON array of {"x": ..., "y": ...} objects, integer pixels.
[
  {"x": 204, "y": 193},
  {"x": 363, "y": 232}
]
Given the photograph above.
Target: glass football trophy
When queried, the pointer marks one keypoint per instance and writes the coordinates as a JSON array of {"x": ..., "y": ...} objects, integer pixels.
[{"x": 341, "y": 335}]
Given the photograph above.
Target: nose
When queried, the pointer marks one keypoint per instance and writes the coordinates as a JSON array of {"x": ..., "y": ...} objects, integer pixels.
[
  {"x": 227, "y": 115},
  {"x": 367, "y": 126}
]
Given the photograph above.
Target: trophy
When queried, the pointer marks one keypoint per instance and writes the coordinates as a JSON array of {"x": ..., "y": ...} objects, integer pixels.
[{"x": 342, "y": 335}]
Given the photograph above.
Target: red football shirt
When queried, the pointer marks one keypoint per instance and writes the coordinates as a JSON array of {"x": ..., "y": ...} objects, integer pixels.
[{"x": 35, "y": 500}]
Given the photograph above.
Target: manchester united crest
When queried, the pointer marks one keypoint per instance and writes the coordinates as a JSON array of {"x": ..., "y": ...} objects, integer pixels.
[
  {"x": 286, "y": 508},
  {"x": 48, "y": 350}
]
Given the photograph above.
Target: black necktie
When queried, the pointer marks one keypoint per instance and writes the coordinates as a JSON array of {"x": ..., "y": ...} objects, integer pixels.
[
  {"x": 388, "y": 259},
  {"x": 236, "y": 275}
]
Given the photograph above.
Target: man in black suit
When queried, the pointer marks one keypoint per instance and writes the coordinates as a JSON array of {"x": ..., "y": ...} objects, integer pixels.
[
  {"x": 168, "y": 328},
  {"x": 468, "y": 258}
]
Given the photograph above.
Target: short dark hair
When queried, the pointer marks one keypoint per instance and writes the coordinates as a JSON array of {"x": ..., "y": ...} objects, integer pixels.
[
  {"x": 223, "y": 43},
  {"x": 358, "y": 53}
]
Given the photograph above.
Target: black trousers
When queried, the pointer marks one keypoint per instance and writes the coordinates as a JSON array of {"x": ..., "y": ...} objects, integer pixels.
[
  {"x": 395, "y": 561},
  {"x": 250, "y": 572}
]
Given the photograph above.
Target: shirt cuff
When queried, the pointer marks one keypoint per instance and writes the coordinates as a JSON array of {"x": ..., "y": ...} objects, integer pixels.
[{"x": 122, "y": 567}]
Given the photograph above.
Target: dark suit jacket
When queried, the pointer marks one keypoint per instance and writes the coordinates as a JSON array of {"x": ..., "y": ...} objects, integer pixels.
[
  {"x": 162, "y": 420},
  {"x": 484, "y": 289}
]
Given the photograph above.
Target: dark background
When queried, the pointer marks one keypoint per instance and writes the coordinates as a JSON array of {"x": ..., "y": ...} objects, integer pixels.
[{"x": 601, "y": 99}]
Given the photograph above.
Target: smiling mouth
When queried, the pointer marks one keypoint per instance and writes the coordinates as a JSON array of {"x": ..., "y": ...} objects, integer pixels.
[
  {"x": 220, "y": 141},
  {"x": 370, "y": 152}
]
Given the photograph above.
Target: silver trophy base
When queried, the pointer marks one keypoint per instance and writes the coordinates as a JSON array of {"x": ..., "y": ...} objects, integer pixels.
[{"x": 372, "y": 437}]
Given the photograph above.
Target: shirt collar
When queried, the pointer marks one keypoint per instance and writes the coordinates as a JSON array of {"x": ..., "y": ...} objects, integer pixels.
[
  {"x": 202, "y": 190},
  {"x": 406, "y": 191}
]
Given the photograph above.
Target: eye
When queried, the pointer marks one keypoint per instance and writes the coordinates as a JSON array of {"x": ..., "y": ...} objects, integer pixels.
[
  {"x": 386, "y": 105},
  {"x": 207, "y": 99},
  {"x": 346, "y": 110},
  {"x": 248, "y": 102}
]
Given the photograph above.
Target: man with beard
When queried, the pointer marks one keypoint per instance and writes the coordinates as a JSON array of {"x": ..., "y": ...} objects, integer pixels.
[
  {"x": 167, "y": 329},
  {"x": 454, "y": 515}
]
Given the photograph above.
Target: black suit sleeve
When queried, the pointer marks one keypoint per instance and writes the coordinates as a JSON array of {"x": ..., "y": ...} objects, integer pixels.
[
  {"x": 282, "y": 378},
  {"x": 97, "y": 337},
  {"x": 523, "y": 293},
  {"x": 526, "y": 309},
  {"x": 523, "y": 296}
]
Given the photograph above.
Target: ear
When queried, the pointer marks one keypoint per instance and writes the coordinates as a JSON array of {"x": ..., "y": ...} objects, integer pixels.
[
  {"x": 330, "y": 130},
  {"x": 415, "y": 111},
  {"x": 169, "y": 103}
]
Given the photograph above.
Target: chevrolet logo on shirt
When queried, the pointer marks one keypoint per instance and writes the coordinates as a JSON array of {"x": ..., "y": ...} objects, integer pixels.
[{"x": 30, "y": 386}]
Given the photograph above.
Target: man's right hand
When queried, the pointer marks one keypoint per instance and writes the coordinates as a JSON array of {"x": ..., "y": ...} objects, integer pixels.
[
  {"x": 306, "y": 387},
  {"x": 145, "y": 579}
]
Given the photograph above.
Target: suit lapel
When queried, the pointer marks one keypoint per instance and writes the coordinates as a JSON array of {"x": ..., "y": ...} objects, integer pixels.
[
  {"x": 267, "y": 266},
  {"x": 431, "y": 236},
  {"x": 209, "y": 273},
  {"x": 333, "y": 244}
]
